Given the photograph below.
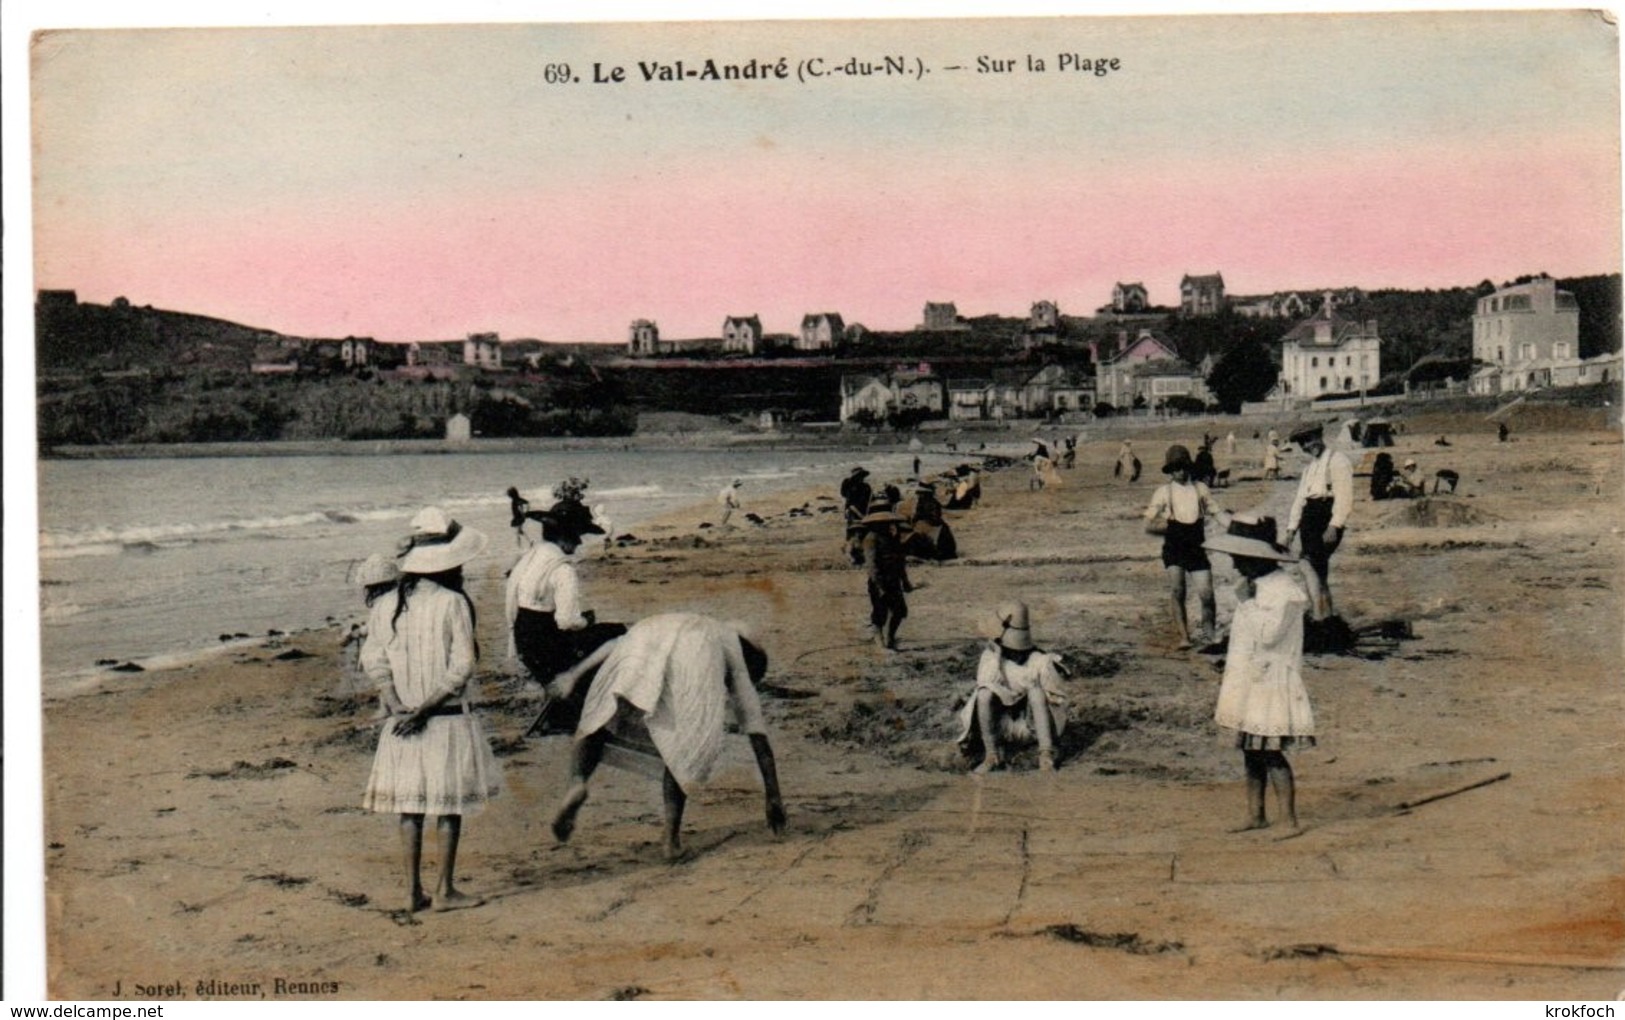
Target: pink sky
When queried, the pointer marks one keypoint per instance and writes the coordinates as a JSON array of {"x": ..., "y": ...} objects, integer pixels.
[{"x": 394, "y": 211}]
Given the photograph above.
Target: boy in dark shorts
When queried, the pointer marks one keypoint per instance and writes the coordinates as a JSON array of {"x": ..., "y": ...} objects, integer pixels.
[{"x": 1178, "y": 512}]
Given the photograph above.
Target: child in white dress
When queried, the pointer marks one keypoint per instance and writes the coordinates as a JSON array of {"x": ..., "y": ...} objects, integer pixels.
[
  {"x": 1018, "y": 697},
  {"x": 1263, "y": 697},
  {"x": 432, "y": 757}
]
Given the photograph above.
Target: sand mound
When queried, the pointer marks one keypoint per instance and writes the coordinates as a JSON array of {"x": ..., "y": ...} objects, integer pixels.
[{"x": 1437, "y": 513}]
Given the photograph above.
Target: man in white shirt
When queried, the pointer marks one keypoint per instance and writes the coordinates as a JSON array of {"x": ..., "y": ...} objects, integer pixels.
[
  {"x": 1320, "y": 512},
  {"x": 728, "y": 500}
]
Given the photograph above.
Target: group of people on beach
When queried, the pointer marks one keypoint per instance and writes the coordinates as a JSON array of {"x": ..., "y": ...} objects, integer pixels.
[
  {"x": 882, "y": 531},
  {"x": 663, "y": 687}
]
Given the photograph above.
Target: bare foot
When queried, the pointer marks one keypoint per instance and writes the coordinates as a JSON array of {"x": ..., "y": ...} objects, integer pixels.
[
  {"x": 1046, "y": 762},
  {"x": 674, "y": 852},
  {"x": 1250, "y": 826},
  {"x": 455, "y": 900},
  {"x": 420, "y": 901},
  {"x": 1293, "y": 831},
  {"x": 988, "y": 765},
  {"x": 564, "y": 819}
]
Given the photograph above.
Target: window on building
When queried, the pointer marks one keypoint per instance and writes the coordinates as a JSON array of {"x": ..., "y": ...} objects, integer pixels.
[
  {"x": 1323, "y": 384},
  {"x": 1314, "y": 362}
]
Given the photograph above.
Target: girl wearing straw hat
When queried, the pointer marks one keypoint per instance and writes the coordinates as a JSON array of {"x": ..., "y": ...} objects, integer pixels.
[
  {"x": 1018, "y": 697},
  {"x": 432, "y": 757},
  {"x": 1263, "y": 697}
]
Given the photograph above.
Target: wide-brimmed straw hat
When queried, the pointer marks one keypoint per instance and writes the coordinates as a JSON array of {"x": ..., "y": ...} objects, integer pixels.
[
  {"x": 1305, "y": 434},
  {"x": 1009, "y": 626},
  {"x": 1177, "y": 458},
  {"x": 858, "y": 472},
  {"x": 1252, "y": 537},
  {"x": 568, "y": 517},
  {"x": 880, "y": 512},
  {"x": 438, "y": 543},
  {"x": 375, "y": 569}
]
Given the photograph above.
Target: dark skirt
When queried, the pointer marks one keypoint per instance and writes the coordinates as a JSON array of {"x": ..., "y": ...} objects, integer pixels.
[{"x": 548, "y": 651}]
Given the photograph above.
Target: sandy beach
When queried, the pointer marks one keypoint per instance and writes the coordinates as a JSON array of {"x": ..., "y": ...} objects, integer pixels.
[{"x": 1464, "y": 806}]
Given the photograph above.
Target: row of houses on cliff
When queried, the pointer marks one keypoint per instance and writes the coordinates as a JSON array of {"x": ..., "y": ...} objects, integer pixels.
[
  {"x": 824, "y": 331},
  {"x": 1144, "y": 372},
  {"x": 1324, "y": 355}
]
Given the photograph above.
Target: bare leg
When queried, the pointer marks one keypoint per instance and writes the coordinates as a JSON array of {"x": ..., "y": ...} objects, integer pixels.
[
  {"x": 675, "y": 799},
  {"x": 412, "y": 853},
  {"x": 1286, "y": 799},
  {"x": 1041, "y": 725},
  {"x": 1317, "y": 597},
  {"x": 1176, "y": 579},
  {"x": 770, "y": 782},
  {"x": 446, "y": 894},
  {"x": 1203, "y": 582},
  {"x": 1257, "y": 773},
  {"x": 984, "y": 722},
  {"x": 585, "y": 755}
]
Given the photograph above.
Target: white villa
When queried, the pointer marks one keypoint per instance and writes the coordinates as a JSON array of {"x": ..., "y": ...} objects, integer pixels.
[
  {"x": 1327, "y": 353},
  {"x": 1527, "y": 336}
]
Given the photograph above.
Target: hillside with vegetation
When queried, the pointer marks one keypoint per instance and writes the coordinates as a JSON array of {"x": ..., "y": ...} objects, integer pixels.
[
  {"x": 193, "y": 407},
  {"x": 120, "y": 373}
]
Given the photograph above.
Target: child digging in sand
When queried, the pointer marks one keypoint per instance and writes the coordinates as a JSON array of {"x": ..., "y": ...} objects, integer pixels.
[{"x": 1262, "y": 696}]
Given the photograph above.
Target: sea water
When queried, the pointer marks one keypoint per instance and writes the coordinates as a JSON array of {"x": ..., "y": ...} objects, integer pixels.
[{"x": 158, "y": 559}]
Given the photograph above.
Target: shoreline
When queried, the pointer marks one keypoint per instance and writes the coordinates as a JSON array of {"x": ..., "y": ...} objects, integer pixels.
[{"x": 267, "y": 760}]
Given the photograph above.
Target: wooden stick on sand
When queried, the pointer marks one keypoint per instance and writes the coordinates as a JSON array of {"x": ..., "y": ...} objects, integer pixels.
[{"x": 1407, "y": 805}]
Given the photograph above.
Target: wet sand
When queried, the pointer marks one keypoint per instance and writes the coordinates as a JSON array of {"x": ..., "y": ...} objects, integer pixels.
[{"x": 202, "y": 822}]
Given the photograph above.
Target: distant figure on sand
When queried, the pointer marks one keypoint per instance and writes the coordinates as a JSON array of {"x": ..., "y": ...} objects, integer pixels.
[
  {"x": 1501, "y": 432},
  {"x": 855, "y": 495},
  {"x": 1262, "y": 696},
  {"x": 728, "y": 500},
  {"x": 1178, "y": 512},
  {"x": 432, "y": 757},
  {"x": 1044, "y": 473},
  {"x": 967, "y": 488},
  {"x": 1202, "y": 467},
  {"x": 1320, "y": 513},
  {"x": 1125, "y": 459},
  {"x": 929, "y": 537},
  {"x": 519, "y": 508},
  {"x": 887, "y": 573},
  {"x": 1272, "y": 461},
  {"x": 669, "y": 684},
  {"x": 1018, "y": 698}
]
